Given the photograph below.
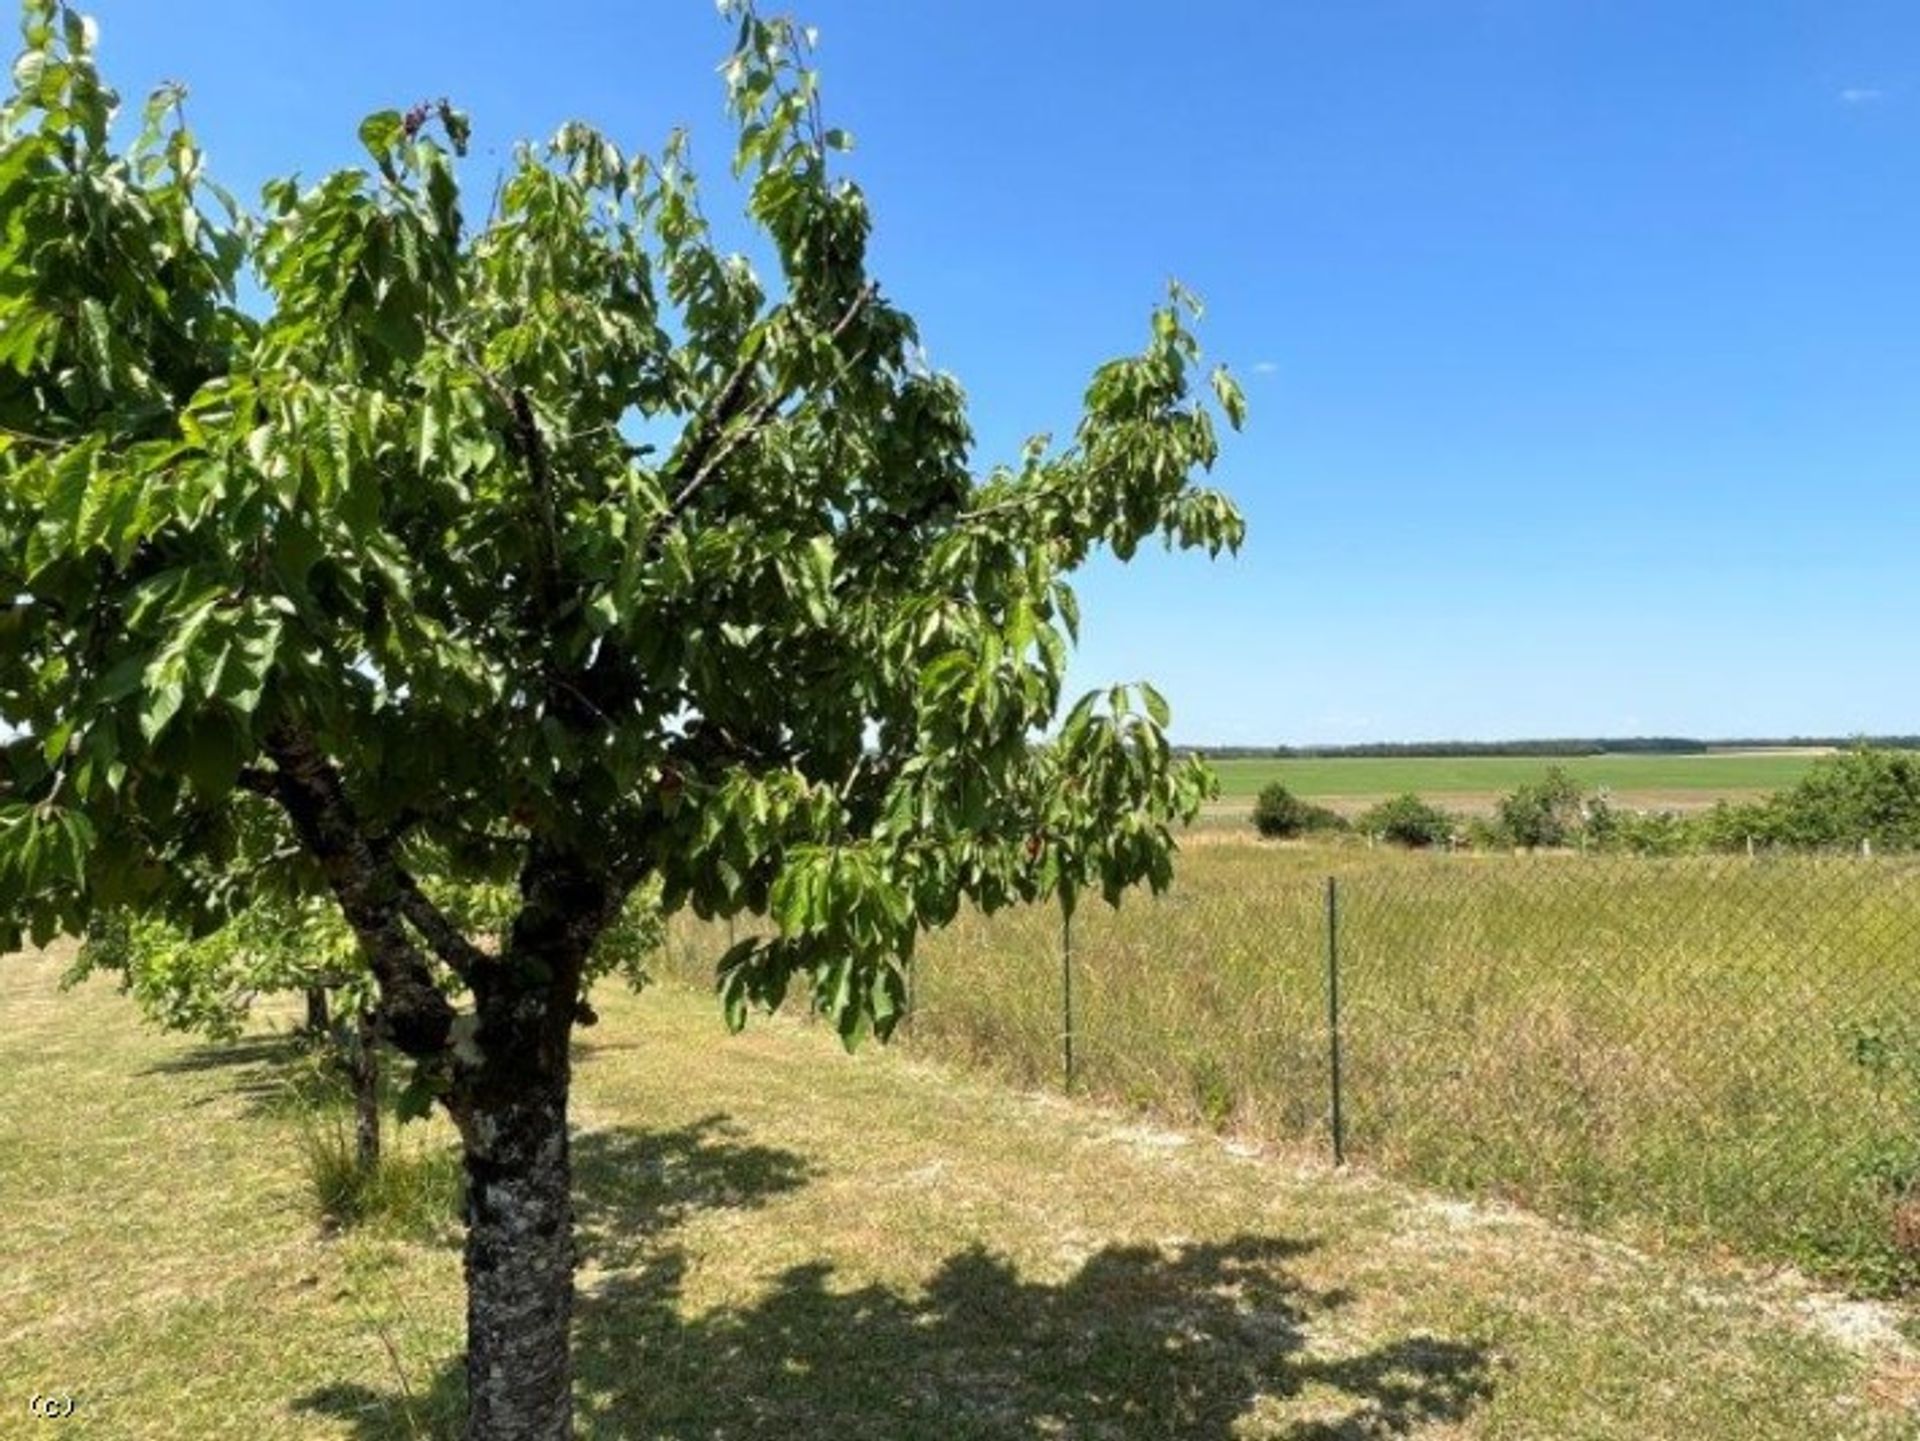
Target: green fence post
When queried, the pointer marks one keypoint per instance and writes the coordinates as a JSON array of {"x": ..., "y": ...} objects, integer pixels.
[
  {"x": 1333, "y": 1019},
  {"x": 1066, "y": 997}
]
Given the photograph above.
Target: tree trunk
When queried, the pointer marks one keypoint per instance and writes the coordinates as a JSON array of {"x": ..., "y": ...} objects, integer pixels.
[
  {"x": 520, "y": 1266},
  {"x": 366, "y": 1096},
  {"x": 511, "y": 1105},
  {"x": 318, "y": 1021}
]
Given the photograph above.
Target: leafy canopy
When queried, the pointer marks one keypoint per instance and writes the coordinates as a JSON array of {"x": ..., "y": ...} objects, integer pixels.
[{"x": 557, "y": 540}]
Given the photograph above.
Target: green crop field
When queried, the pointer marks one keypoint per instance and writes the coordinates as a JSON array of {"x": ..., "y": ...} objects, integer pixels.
[{"x": 1677, "y": 780}]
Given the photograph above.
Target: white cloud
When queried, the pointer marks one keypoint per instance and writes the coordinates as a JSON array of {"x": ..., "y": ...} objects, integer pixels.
[
  {"x": 1265, "y": 367},
  {"x": 1861, "y": 95}
]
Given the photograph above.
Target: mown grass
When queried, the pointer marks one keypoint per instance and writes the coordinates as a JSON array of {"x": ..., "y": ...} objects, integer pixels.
[
  {"x": 1439, "y": 776},
  {"x": 778, "y": 1240},
  {"x": 1664, "y": 1049}
]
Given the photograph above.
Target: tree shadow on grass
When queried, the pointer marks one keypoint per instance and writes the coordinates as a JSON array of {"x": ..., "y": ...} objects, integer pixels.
[
  {"x": 254, "y": 1052},
  {"x": 632, "y": 1187},
  {"x": 269, "y": 1073},
  {"x": 1207, "y": 1341},
  {"x": 283, "y": 1073}
]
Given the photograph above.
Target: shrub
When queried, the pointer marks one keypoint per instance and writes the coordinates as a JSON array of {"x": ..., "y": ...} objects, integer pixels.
[
  {"x": 1547, "y": 813},
  {"x": 1477, "y": 833},
  {"x": 1730, "y": 825},
  {"x": 1409, "y": 821},
  {"x": 1862, "y": 794},
  {"x": 1647, "y": 833},
  {"x": 1280, "y": 814}
]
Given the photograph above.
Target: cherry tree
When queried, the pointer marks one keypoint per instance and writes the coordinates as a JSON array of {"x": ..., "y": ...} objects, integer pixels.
[{"x": 558, "y": 547}]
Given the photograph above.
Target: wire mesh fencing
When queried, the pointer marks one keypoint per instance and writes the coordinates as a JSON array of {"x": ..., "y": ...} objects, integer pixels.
[
  {"x": 1690, "y": 1046},
  {"x": 1714, "y": 1051}
]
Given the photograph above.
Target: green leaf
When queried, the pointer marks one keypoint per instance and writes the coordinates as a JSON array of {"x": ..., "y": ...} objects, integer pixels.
[
  {"x": 161, "y": 704},
  {"x": 732, "y": 977},
  {"x": 55, "y": 745},
  {"x": 216, "y": 749},
  {"x": 381, "y": 133},
  {"x": 27, "y": 71},
  {"x": 120, "y": 680},
  {"x": 81, "y": 32},
  {"x": 1157, "y": 708},
  {"x": 1079, "y": 717},
  {"x": 428, "y": 449},
  {"x": 247, "y": 662},
  {"x": 1232, "y": 399},
  {"x": 1069, "y": 606}
]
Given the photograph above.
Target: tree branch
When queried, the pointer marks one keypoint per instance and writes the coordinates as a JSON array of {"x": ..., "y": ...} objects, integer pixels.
[
  {"x": 372, "y": 889},
  {"x": 727, "y": 404},
  {"x": 532, "y": 448},
  {"x": 446, "y": 940},
  {"x": 523, "y": 436},
  {"x": 714, "y": 440},
  {"x": 442, "y": 936}
]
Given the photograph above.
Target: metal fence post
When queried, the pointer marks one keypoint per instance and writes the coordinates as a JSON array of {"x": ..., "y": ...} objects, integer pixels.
[
  {"x": 912, "y": 987},
  {"x": 1066, "y": 997},
  {"x": 1333, "y": 1019}
]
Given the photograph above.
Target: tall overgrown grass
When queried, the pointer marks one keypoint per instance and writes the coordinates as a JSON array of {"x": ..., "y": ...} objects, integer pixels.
[
  {"x": 1665, "y": 1049},
  {"x": 413, "y": 1190},
  {"x": 416, "y": 1189}
]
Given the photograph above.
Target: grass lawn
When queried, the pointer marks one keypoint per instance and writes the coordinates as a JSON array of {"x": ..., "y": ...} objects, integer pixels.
[
  {"x": 780, "y": 1241},
  {"x": 1472, "y": 782}
]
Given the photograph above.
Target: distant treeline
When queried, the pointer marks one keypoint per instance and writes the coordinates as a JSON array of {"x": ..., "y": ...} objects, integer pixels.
[{"x": 1620, "y": 746}]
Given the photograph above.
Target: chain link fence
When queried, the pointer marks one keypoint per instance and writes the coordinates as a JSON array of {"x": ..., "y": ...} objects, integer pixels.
[{"x": 1711, "y": 1051}]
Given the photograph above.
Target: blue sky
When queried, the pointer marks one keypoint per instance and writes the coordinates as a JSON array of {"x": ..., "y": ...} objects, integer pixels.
[{"x": 1581, "y": 336}]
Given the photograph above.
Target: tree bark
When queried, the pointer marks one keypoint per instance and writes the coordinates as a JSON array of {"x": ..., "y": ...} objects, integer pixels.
[
  {"x": 319, "y": 1022},
  {"x": 511, "y": 1105},
  {"x": 507, "y": 1062},
  {"x": 374, "y": 894},
  {"x": 366, "y": 1095},
  {"x": 520, "y": 1266}
]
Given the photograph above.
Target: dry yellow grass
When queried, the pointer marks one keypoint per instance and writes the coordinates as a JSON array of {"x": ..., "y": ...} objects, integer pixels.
[
  {"x": 782, "y": 1241},
  {"x": 1667, "y": 1049}
]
